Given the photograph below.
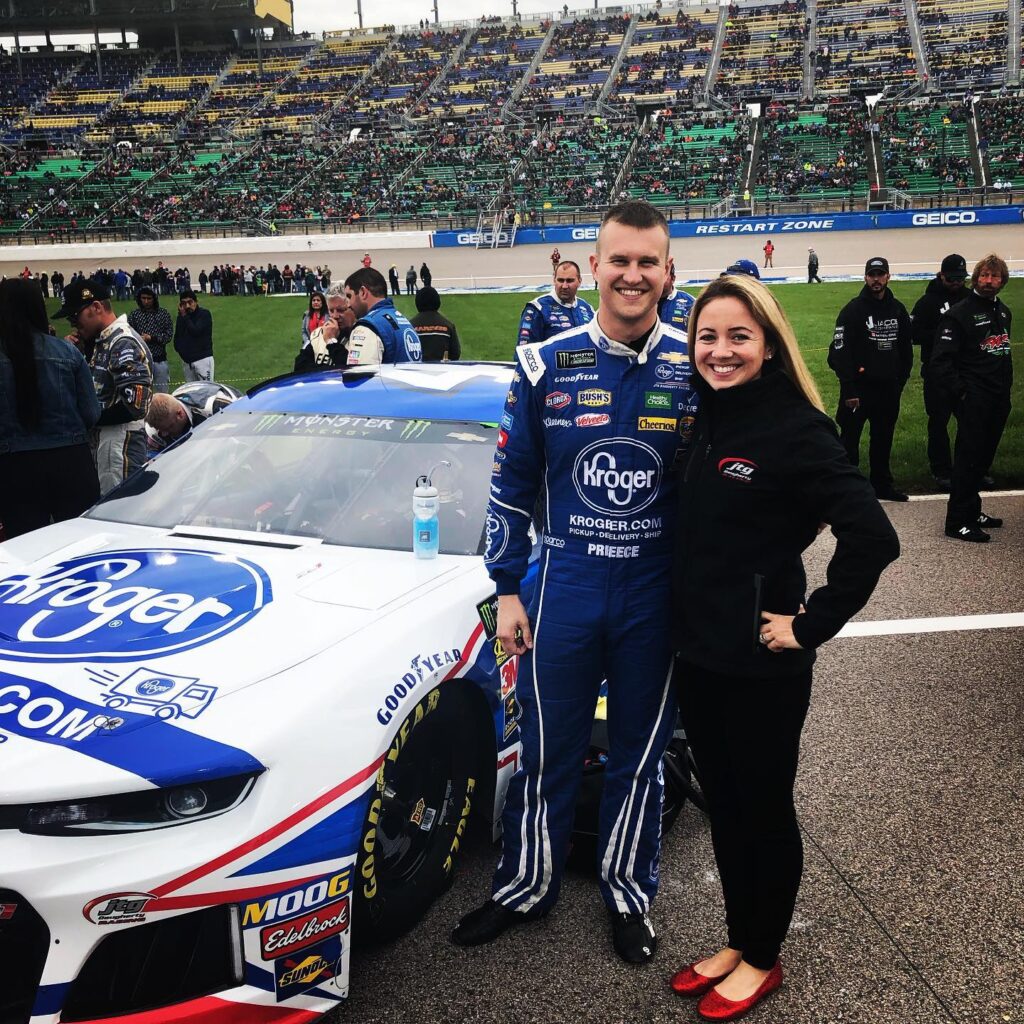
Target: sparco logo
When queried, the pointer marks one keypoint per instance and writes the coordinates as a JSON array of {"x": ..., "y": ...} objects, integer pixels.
[
  {"x": 619, "y": 476},
  {"x": 127, "y": 605}
]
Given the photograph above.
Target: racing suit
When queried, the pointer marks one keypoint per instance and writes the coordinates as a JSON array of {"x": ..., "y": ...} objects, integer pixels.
[
  {"x": 674, "y": 309},
  {"x": 383, "y": 336},
  {"x": 122, "y": 373},
  {"x": 925, "y": 316},
  {"x": 201, "y": 400},
  {"x": 971, "y": 363},
  {"x": 871, "y": 355},
  {"x": 604, "y": 430},
  {"x": 544, "y": 317}
]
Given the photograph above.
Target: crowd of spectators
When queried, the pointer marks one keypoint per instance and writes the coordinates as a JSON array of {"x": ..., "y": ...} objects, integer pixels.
[
  {"x": 861, "y": 44},
  {"x": 966, "y": 42},
  {"x": 925, "y": 147},
  {"x": 763, "y": 49},
  {"x": 1001, "y": 139}
]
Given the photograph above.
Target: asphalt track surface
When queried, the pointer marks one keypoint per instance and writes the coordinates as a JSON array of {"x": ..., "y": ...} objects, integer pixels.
[
  {"x": 910, "y": 251},
  {"x": 910, "y": 798}
]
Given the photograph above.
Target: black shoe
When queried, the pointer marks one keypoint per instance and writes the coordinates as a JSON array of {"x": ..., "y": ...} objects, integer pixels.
[
  {"x": 487, "y": 922},
  {"x": 971, "y": 533},
  {"x": 988, "y": 522},
  {"x": 890, "y": 494},
  {"x": 943, "y": 483},
  {"x": 633, "y": 937},
  {"x": 988, "y": 483}
]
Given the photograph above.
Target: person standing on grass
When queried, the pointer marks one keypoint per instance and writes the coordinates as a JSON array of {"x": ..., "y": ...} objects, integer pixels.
[
  {"x": 396, "y": 286},
  {"x": 972, "y": 365},
  {"x": 559, "y": 310},
  {"x": 48, "y": 406},
  {"x": 812, "y": 267},
  {"x": 871, "y": 355},
  {"x": 153, "y": 325},
  {"x": 410, "y": 280},
  {"x": 193, "y": 338},
  {"x": 764, "y": 470}
]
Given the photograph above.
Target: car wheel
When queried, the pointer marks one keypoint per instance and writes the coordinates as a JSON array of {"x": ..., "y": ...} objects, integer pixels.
[{"x": 416, "y": 818}]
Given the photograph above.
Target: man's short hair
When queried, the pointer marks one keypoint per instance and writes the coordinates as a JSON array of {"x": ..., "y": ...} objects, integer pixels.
[
  {"x": 569, "y": 263},
  {"x": 187, "y": 293},
  {"x": 336, "y": 290},
  {"x": 636, "y": 213},
  {"x": 163, "y": 412},
  {"x": 370, "y": 279}
]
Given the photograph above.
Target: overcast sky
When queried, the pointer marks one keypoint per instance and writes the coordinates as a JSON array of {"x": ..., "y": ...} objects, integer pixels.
[{"x": 317, "y": 15}]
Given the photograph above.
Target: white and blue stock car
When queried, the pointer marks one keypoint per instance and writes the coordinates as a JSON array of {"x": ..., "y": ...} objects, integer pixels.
[{"x": 238, "y": 719}]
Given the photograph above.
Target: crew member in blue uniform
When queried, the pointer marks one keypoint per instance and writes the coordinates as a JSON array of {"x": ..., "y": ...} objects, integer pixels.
[
  {"x": 381, "y": 334},
  {"x": 559, "y": 310},
  {"x": 601, "y": 417},
  {"x": 675, "y": 305}
]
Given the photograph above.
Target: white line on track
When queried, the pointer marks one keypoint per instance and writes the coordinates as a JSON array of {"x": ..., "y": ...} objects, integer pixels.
[
  {"x": 945, "y": 497},
  {"x": 947, "y": 624}
]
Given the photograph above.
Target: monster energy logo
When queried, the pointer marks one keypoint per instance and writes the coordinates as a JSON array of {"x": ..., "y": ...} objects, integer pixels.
[
  {"x": 265, "y": 423},
  {"x": 414, "y": 429}
]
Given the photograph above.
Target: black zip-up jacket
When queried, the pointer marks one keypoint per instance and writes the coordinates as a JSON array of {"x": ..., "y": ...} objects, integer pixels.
[
  {"x": 193, "y": 335},
  {"x": 765, "y": 469},
  {"x": 872, "y": 342},
  {"x": 972, "y": 349},
  {"x": 928, "y": 311}
]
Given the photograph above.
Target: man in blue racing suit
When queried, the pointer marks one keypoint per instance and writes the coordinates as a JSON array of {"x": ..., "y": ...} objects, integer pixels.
[
  {"x": 381, "y": 334},
  {"x": 559, "y": 310},
  {"x": 675, "y": 305},
  {"x": 597, "y": 416}
]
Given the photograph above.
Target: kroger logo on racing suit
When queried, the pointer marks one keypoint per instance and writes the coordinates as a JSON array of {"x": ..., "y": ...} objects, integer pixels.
[
  {"x": 126, "y": 605},
  {"x": 617, "y": 476}
]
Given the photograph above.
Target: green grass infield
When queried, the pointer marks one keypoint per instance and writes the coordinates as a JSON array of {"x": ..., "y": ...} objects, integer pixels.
[{"x": 256, "y": 338}]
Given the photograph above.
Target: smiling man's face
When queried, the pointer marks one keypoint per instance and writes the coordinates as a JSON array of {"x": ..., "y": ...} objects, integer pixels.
[{"x": 630, "y": 268}]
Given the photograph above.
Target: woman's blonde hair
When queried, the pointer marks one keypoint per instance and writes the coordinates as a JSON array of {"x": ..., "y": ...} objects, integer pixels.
[{"x": 766, "y": 311}]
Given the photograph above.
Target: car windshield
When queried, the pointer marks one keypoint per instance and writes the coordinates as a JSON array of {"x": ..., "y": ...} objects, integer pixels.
[{"x": 345, "y": 479}]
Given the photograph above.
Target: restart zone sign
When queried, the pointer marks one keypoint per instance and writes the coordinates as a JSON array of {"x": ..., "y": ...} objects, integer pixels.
[{"x": 960, "y": 217}]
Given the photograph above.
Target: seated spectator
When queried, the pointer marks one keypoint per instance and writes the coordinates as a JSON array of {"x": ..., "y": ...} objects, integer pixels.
[
  {"x": 314, "y": 317},
  {"x": 327, "y": 348},
  {"x": 438, "y": 334},
  {"x": 48, "y": 405},
  {"x": 171, "y": 417}
]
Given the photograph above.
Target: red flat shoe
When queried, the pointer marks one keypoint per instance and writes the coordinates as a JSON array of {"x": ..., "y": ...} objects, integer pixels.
[
  {"x": 688, "y": 982},
  {"x": 714, "y": 1006}
]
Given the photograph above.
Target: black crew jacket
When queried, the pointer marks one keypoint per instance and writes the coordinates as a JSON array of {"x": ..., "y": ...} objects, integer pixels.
[
  {"x": 928, "y": 311},
  {"x": 871, "y": 343},
  {"x": 764, "y": 470},
  {"x": 972, "y": 349}
]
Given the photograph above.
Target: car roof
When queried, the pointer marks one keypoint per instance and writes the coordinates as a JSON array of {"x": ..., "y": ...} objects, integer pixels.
[{"x": 465, "y": 391}]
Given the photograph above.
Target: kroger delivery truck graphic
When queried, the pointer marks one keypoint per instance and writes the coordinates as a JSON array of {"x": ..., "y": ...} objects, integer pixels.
[{"x": 159, "y": 694}]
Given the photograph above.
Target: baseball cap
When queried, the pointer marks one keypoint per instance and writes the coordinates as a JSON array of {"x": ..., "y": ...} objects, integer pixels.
[
  {"x": 876, "y": 263},
  {"x": 81, "y": 293},
  {"x": 748, "y": 267},
  {"x": 954, "y": 266}
]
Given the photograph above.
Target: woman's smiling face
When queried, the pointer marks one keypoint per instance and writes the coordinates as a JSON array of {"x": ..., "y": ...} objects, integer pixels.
[{"x": 729, "y": 346}]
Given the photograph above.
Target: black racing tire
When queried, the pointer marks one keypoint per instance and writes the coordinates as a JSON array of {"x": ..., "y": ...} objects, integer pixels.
[{"x": 416, "y": 818}]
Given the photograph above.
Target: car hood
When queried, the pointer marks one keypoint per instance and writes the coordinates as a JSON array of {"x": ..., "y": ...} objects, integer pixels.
[{"x": 120, "y": 643}]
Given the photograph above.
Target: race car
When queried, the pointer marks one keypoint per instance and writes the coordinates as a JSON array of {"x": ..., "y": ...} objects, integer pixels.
[{"x": 239, "y": 721}]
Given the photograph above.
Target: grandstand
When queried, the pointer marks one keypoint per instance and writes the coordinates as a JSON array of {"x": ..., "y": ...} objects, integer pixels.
[{"x": 208, "y": 125}]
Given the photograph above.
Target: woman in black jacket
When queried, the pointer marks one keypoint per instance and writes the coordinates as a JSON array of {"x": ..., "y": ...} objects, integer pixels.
[{"x": 765, "y": 469}]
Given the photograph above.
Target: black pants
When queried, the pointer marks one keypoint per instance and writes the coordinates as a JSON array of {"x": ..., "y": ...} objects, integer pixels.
[
  {"x": 880, "y": 407},
  {"x": 980, "y": 419},
  {"x": 939, "y": 411},
  {"x": 50, "y": 484},
  {"x": 745, "y": 736},
  {"x": 812, "y": 275}
]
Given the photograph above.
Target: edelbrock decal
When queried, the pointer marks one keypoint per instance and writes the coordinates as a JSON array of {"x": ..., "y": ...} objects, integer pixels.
[{"x": 127, "y": 605}]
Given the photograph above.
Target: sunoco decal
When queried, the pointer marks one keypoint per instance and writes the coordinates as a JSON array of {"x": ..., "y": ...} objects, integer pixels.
[
  {"x": 295, "y": 974},
  {"x": 127, "y": 605}
]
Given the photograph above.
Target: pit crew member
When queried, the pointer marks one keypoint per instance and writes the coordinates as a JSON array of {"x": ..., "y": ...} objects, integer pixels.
[
  {"x": 675, "y": 304},
  {"x": 559, "y": 310},
  {"x": 971, "y": 362},
  {"x": 871, "y": 355},
  {"x": 595, "y": 415},
  {"x": 122, "y": 372},
  {"x": 381, "y": 334}
]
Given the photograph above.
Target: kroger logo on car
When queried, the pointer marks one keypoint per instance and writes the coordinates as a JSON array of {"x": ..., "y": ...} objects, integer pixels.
[
  {"x": 618, "y": 475},
  {"x": 126, "y": 605}
]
